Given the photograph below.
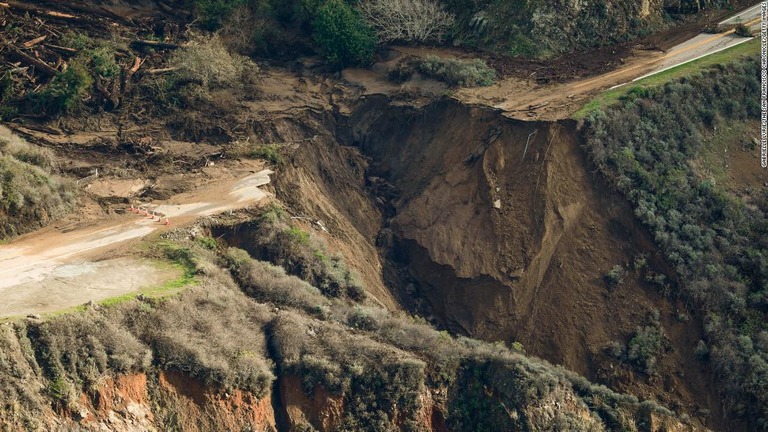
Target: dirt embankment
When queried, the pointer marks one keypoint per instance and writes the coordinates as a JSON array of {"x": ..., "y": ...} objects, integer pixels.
[{"x": 496, "y": 228}]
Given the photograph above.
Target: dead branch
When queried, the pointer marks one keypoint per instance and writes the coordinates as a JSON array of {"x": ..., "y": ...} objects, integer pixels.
[
  {"x": 135, "y": 68},
  {"x": 62, "y": 49},
  {"x": 90, "y": 10},
  {"x": 162, "y": 70},
  {"x": 154, "y": 44},
  {"x": 35, "y": 41},
  {"x": 39, "y": 65},
  {"x": 35, "y": 10},
  {"x": 407, "y": 20}
]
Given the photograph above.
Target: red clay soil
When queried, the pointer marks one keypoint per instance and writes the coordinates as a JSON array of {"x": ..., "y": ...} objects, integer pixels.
[{"x": 201, "y": 408}]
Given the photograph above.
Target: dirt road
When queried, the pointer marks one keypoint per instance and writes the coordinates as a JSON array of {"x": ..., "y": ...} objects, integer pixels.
[
  {"x": 550, "y": 102},
  {"x": 54, "y": 268},
  {"x": 528, "y": 100}
]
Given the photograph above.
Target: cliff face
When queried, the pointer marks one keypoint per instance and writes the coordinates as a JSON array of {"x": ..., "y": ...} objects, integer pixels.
[{"x": 214, "y": 359}]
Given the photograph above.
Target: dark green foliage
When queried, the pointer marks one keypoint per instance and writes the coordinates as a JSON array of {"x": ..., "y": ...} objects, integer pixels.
[
  {"x": 342, "y": 36},
  {"x": 645, "y": 346},
  {"x": 77, "y": 40},
  {"x": 268, "y": 152},
  {"x": 615, "y": 276},
  {"x": 102, "y": 62},
  {"x": 65, "y": 93},
  {"x": 545, "y": 29},
  {"x": 6, "y": 87},
  {"x": 743, "y": 31},
  {"x": 213, "y": 13},
  {"x": 7, "y": 92},
  {"x": 715, "y": 242}
]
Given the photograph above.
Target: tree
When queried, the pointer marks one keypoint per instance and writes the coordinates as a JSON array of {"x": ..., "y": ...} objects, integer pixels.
[
  {"x": 342, "y": 36},
  {"x": 406, "y": 20}
]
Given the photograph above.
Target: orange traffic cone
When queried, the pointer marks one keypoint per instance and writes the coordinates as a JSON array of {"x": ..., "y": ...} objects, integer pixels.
[
  {"x": 150, "y": 215},
  {"x": 167, "y": 222},
  {"x": 131, "y": 209}
]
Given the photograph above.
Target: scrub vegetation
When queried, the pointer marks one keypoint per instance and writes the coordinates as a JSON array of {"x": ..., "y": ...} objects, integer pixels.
[{"x": 647, "y": 147}]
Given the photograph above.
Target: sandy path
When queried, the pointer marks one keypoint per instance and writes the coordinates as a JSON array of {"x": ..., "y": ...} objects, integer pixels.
[{"x": 31, "y": 267}]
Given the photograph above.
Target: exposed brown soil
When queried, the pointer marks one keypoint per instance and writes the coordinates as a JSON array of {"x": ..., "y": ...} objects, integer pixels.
[
  {"x": 496, "y": 241},
  {"x": 200, "y": 408},
  {"x": 323, "y": 411},
  {"x": 490, "y": 227},
  {"x": 137, "y": 402}
]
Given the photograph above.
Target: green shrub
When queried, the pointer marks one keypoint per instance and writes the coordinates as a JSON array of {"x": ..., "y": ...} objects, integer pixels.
[
  {"x": 268, "y": 152},
  {"x": 7, "y": 87},
  {"x": 76, "y": 40},
  {"x": 275, "y": 238},
  {"x": 65, "y": 93},
  {"x": 213, "y": 13},
  {"x": 205, "y": 61},
  {"x": 102, "y": 62},
  {"x": 342, "y": 35},
  {"x": 649, "y": 147},
  {"x": 645, "y": 346},
  {"x": 615, "y": 276},
  {"x": 7, "y": 93},
  {"x": 30, "y": 196},
  {"x": 702, "y": 350},
  {"x": 743, "y": 31},
  {"x": 456, "y": 72},
  {"x": 208, "y": 242}
]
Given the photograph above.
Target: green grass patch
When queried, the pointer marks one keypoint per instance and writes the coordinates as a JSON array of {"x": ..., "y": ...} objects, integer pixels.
[
  {"x": 611, "y": 97},
  {"x": 60, "y": 312},
  {"x": 172, "y": 287},
  {"x": 268, "y": 152}
]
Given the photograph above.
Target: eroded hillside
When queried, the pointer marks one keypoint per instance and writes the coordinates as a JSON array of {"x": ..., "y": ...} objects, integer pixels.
[
  {"x": 420, "y": 254},
  {"x": 289, "y": 358}
]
